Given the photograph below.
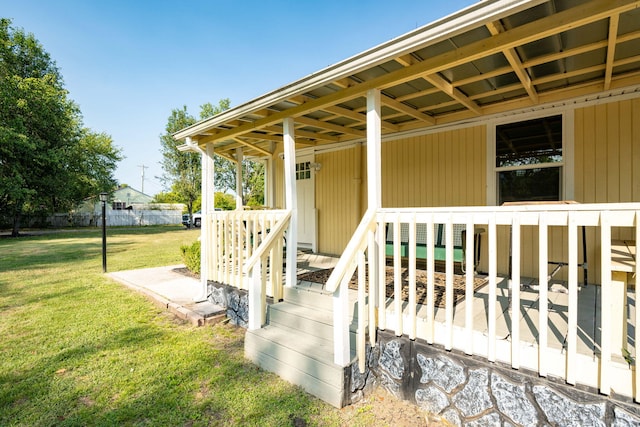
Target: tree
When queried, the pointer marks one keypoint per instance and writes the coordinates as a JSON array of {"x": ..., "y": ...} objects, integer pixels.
[
  {"x": 183, "y": 171},
  {"x": 48, "y": 161},
  {"x": 225, "y": 179},
  {"x": 224, "y": 201}
]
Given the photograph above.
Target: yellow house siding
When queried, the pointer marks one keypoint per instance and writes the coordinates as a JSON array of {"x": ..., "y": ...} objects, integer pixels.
[
  {"x": 338, "y": 198},
  {"x": 607, "y": 159},
  {"x": 608, "y": 152},
  {"x": 278, "y": 169},
  {"x": 440, "y": 169}
]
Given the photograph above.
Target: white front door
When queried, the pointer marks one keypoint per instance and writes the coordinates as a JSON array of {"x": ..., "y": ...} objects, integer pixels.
[{"x": 305, "y": 188}]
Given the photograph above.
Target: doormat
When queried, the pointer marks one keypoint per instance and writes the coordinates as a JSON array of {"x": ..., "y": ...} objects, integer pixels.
[{"x": 459, "y": 284}]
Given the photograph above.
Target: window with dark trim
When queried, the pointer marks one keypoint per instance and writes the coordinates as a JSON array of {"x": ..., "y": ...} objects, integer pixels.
[{"x": 529, "y": 160}]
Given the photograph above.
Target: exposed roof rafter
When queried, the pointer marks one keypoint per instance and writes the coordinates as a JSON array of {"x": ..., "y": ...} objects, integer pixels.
[
  {"x": 496, "y": 28},
  {"x": 611, "y": 49},
  {"x": 253, "y": 146}
]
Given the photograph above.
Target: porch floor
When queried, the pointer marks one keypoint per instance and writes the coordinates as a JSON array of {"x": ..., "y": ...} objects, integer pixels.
[{"x": 589, "y": 300}]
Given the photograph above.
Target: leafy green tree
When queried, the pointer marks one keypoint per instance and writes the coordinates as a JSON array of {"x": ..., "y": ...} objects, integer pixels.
[
  {"x": 183, "y": 171},
  {"x": 224, "y": 201},
  {"x": 48, "y": 161},
  {"x": 253, "y": 186},
  {"x": 166, "y": 197}
]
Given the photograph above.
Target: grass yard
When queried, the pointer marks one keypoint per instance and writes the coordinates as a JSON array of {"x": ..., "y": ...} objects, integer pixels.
[{"x": 77, "y": 349}]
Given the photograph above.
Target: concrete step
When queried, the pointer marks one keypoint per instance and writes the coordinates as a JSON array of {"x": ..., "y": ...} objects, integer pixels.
[{"x": 302, "y": 359}]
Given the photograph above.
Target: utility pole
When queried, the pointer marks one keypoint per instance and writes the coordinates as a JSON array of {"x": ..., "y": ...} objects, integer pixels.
[{"x": 143, "y": 168}]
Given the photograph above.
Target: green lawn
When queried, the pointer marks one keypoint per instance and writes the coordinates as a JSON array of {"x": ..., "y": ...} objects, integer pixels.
[{"x": 79, "y": 349}]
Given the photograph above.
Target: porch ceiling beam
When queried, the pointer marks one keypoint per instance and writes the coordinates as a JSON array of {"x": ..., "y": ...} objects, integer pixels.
[
  {"x": 263, "y": 136},
  {"x": 420, "y": 93},
  {"x": 527, "y": 64},
  {"x": 625, "y": 61},
  {"x": 253, "y": 146},
  {"x": 611, "y": 50},
  {"x": 344, "y": 83},
  {"x": 341, "y": 111},
  {"x": 553, "y": 24},
  {"x": 225, "y": 156},
  {"x": 527, "y": 33},
  {"x": 405, "y": 60},
  {"x": 560, "y": 76},
  {"x": 455, "y": 93},
  {"x": 357, "y": 116},
  {"x": 404, "y": 108},
  {"x": 559, "y": 95},
  {"x": 329, "y": 126},
  {"x": 496, "y": 28},
  {"x": 265, "y": 112},
  {"x": 302, "y": 134}
]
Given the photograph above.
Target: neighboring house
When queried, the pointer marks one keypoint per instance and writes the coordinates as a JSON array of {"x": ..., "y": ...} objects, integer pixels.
[
  {"x": 126, "y": 207},
  {"x": 496, "y": 118}
]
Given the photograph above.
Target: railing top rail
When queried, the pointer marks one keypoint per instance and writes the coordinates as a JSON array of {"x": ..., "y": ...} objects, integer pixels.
[
  {"x": 541, "y": 207},
  {"x": 271, "y": 239},
  {"x": 358, "y": 242},
  {"x": 248, "y": 214}
]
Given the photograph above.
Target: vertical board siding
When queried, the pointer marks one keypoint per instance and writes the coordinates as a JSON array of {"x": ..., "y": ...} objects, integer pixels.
[
  {"x": 337, "y": 196},
  {"x": 278, "y": 164},
  {"x": 440, "y": 169},
  {"x": 607, "y": 152},
  {"x": 607, "y": 159}
]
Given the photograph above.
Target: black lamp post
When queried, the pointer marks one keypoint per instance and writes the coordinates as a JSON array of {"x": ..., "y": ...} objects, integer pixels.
[{"x": 103, "y": 199}]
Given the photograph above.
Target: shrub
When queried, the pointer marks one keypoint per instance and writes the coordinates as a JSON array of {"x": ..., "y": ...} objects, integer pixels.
[{"x": 191, "y": 256}]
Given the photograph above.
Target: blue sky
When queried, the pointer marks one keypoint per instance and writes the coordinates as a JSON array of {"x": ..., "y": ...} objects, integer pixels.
[{"x": 128, "y": 63}]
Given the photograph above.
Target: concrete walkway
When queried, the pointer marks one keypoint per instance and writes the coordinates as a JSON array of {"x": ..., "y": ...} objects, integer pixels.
[{"x": 172, "y": 291}]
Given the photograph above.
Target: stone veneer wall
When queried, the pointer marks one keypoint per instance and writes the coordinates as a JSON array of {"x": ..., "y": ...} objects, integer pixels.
[
  {"x": 470, "y": 392},
  {"x": 235, "y": 300}
]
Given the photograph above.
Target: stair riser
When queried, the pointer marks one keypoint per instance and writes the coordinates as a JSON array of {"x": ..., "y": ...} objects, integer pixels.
[
  {"x": 334, "y": 395},
  {"x": 309, "y": 326},
  {"x": 321, "y": 371},
  {"x": 313, "y": 300}
]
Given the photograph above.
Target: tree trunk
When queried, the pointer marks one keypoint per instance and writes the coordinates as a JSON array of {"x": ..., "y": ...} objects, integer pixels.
[{"x": 17, "y": 217}]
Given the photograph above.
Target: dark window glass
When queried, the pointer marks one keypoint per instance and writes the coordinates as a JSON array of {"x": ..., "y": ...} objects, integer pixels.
[
  {"x": 529, "y": 142},
  {"x": 529, "y": 185},
  {"x": 520, "y": 147}
]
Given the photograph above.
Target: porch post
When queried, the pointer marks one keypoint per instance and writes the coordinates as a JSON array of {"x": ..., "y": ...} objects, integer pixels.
[
  {"x": 239, "y": 190},
  {"x": 374, "y": 193},
  {"x": 374, "y": 147},
  {"x": 207, "y": 209},
  {"x": 291, "y": 200}
]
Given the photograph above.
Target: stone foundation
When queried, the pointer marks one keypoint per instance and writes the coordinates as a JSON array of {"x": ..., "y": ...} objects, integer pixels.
[
  {"x": 471, "y": 392},
  {"x": 234, "y": 300}
]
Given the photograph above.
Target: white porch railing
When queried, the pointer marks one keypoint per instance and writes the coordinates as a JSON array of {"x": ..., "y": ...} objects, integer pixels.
[
  {"x": 367, "y": 250},
  {"x": 239, "y": 239}
]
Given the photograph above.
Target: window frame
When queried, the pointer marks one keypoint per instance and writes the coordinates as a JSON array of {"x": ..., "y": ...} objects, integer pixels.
[{"x": 566, "y": 165}]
